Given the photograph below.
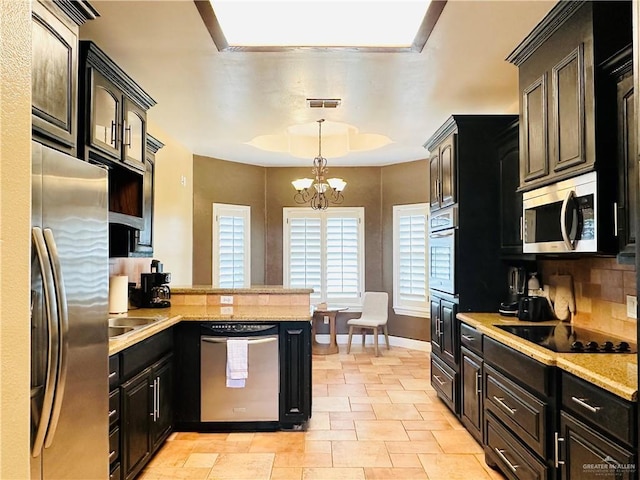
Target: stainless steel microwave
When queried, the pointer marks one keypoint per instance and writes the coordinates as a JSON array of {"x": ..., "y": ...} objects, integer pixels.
[{"x": 562, "y": 217}]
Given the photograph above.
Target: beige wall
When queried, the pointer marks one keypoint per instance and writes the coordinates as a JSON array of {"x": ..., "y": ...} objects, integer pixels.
[
  {"x": 15, "y": 239},
  {"x": 219, "y": 181},
  {"x": 173, "y": 207},
  {"x": 402, "y": 184}
]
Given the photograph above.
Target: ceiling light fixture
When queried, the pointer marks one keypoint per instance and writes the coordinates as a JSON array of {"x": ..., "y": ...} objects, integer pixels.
[{"x": 318, "y": 192}]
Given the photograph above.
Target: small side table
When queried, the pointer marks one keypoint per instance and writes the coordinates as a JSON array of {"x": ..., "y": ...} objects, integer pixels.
[{"x": 318, "y": 316}]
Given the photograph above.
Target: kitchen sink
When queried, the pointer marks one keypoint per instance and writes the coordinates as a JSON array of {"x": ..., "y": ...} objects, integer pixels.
[
  {"x": 132, "y": 321},
  {"x": 118, "y": 331}
]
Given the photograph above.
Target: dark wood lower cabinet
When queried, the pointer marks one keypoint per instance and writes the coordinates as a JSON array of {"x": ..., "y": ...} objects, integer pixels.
[
  {"x": 589, "y": 455},
  {"x": 295, "y": 374},
  {"x": 471, "y": 405},
  {"x": 136, "y": 423}
]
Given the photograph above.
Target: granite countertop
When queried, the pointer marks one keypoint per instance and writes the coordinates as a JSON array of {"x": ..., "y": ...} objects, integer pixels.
[
  {"x": 168, "y": 317},
  {"x": 616, "y": 373},
  {"x": 254, "y": 289}
]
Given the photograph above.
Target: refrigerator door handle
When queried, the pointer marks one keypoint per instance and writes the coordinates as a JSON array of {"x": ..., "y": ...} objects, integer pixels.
[
  {"x": 63, "y": 325},
  {"x": 52, "y": 339}
]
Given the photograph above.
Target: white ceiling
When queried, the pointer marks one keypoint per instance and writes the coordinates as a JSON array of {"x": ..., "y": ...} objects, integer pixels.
[{"x": 215, "y": 102}]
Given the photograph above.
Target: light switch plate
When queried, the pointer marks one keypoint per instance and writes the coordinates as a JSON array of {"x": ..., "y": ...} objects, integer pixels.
[
  {"x": 632, "y": 306},
  {"x": 226, "y": 299}
]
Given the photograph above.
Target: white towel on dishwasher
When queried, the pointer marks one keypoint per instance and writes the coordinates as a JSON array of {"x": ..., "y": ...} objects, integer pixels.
[{"x": 237, "y": 362}]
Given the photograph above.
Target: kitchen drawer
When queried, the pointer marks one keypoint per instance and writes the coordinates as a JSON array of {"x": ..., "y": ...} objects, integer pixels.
[
  {"x": 471, "y": 338},
  {"x": 114, "y": 371},
  {"x": 139, "y": 356},
  {"x": 513, "y": 459},
  {"x": 444, "y": 380},
  {"x": 116, "y": 472},
  {"x": 523, "y": 413},
  {"x": 600, "y": 408},
  {"x": 114, "y": 407},
  {"x": 537, "y": 377},
  {"x": 114, "y": 445}
]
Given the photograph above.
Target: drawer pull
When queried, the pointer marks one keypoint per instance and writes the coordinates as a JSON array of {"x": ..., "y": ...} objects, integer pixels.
[
  {"x": 112, "y": 375},
  {"x": 112, "y": 455},
  {"x": 500, "y": 401},
  {"x": 583, "y": 403},
  {"x": 556, "y": 447},
  {"x": 469, "y": 338},
  {"x": 511, "y": 466},
  {"x": 439, "y": 380},
  {"x": 112, "y": 413}
]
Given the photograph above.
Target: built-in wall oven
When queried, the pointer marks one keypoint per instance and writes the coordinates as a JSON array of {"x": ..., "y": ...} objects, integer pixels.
[
  {"x": 258, "y": 399},
  {"x": 442, "y": 248}
]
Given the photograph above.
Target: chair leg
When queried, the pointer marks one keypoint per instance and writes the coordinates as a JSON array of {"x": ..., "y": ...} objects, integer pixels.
[
  {"x": 375, "y": 341},
  {"x": 350, "y": 336},
  {"x": 386, "y": 336},
  {"x": 363, "y": 332}
]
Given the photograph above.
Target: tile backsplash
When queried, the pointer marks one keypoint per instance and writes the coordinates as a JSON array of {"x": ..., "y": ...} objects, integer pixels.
[
  {"x": 132, "y": 267},
  {"x": 601, "y": 286}
]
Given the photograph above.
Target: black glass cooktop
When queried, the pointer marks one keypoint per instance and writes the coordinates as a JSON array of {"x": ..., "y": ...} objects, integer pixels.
[{"x": 565, "y": 338}]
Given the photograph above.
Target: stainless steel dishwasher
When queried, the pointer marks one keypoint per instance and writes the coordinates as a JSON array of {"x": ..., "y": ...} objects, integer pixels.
[{"x": 258, "y": 400}]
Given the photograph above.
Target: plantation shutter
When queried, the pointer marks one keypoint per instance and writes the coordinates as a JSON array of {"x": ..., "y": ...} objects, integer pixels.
[
  {"x": 412, "y": 272},
  {"x": 342, "y": 258},
  {"x": 231, "y": 246},
  {"x": 305, "y": 254}
]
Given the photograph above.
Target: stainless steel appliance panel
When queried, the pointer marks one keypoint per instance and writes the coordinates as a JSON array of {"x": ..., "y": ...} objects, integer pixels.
[
  {"x": 442, "y": 260},
  {"x": 258, "y": 400},
  {"x": 69, "y": 296},
  {"x": 562, "y": 217}
]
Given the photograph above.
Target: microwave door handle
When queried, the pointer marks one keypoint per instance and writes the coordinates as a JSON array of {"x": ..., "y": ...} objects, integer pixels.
[
  {"x": 569, "y": 242},
  {"x": 48, "y": 288}
]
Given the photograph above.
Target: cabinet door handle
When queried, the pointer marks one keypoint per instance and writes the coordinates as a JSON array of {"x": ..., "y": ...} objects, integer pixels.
[
  {"x": 439, "y": 380},
  {"x": 153, "y": 409},
  {"x": 556, "y": 448},
  {"x": 127, "y": 130},
  {"x": 500, "y": 453},
  {"x": 478, "y": 384},
  {"x": 583, "y": 403},
  {"x": 500, "y": 401},
  {"x": 615, "y": 219},
  {"x": 113, "y": 133},
  {"x": 158, "y": 400}
]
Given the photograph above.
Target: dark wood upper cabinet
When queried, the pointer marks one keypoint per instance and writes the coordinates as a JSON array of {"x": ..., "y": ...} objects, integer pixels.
[
  {"x": 566, "y": 125},
  {"x": 54, "y": 71},
  {"x": 113, "y": 119},
  {"x": 442, "y": 174}
]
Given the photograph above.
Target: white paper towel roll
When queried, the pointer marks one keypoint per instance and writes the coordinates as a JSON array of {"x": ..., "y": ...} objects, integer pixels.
[{"x": 118, "y": 294}]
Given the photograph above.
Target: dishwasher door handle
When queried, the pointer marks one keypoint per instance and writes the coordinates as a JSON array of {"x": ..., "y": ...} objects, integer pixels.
[{"x": 250, "y": 342}]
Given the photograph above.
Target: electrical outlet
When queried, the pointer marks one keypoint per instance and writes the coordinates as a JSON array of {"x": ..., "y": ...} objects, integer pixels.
[
  {"x": 226, "y": 310},
  {"x": 326, "y": 320},
  {"x": 632, "y": 306},
  {"x": 226, "y": 299}
]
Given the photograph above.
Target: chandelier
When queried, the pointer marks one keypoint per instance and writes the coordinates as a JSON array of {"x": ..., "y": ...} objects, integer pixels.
[{"x": 318, "y": 192}]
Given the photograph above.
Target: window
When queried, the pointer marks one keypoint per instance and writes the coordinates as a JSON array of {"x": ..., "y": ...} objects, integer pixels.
[
  {"x": 410, "y": 285},
  {"x": 325, "y": 251},
  {"x": 231, "y": 254}
]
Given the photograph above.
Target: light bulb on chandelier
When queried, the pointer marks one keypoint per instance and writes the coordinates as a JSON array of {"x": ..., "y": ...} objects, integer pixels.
[{"x": 319, "y": 191}]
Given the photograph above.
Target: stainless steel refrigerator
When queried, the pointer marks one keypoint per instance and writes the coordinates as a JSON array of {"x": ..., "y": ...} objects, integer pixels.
[{"x": 69, "y": 293}]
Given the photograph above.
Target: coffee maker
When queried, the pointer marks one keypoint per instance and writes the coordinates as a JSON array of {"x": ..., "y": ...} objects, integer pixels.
[
  {"x": 517, "y": 282},
  {"x": 154, "y": 288}
]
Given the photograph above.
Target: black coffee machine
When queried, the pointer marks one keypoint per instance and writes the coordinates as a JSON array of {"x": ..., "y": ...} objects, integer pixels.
[{"x": 154, "y": 288}]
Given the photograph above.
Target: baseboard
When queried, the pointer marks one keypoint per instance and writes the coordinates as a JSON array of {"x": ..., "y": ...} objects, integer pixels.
[{"x": 343, "y": 339}]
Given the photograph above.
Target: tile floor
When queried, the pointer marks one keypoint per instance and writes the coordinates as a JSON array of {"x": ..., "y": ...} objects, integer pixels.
[{"x": 373, "y": 419}]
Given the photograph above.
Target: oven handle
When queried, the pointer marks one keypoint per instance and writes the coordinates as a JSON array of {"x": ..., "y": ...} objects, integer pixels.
[
  {"x": 441, "y": 234},
  {"x": 249, "y": 342},
  {"x": 569, "y": 243}
]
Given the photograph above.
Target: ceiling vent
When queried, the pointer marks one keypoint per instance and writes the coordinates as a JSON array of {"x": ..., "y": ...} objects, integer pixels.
[{"x": 323, "y": 102}]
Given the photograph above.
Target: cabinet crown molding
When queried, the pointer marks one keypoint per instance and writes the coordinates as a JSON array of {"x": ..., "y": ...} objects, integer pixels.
[
  {"x": 446, "y": 129},
  {"x": 153, "y": 144},
  {"x": 80, "y": 11},
  {"x": 558, "y": 15},
  {"x": 99, "y": 60}
]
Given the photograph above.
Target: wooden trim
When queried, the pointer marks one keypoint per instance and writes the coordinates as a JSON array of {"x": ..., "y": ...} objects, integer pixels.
[
  {"x": 153, "y": 144},
  {"x": 446, "y": 129}
]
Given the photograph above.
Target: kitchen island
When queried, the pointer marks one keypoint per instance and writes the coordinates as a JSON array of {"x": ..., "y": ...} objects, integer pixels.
[{"x": 156, "y": 369}]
